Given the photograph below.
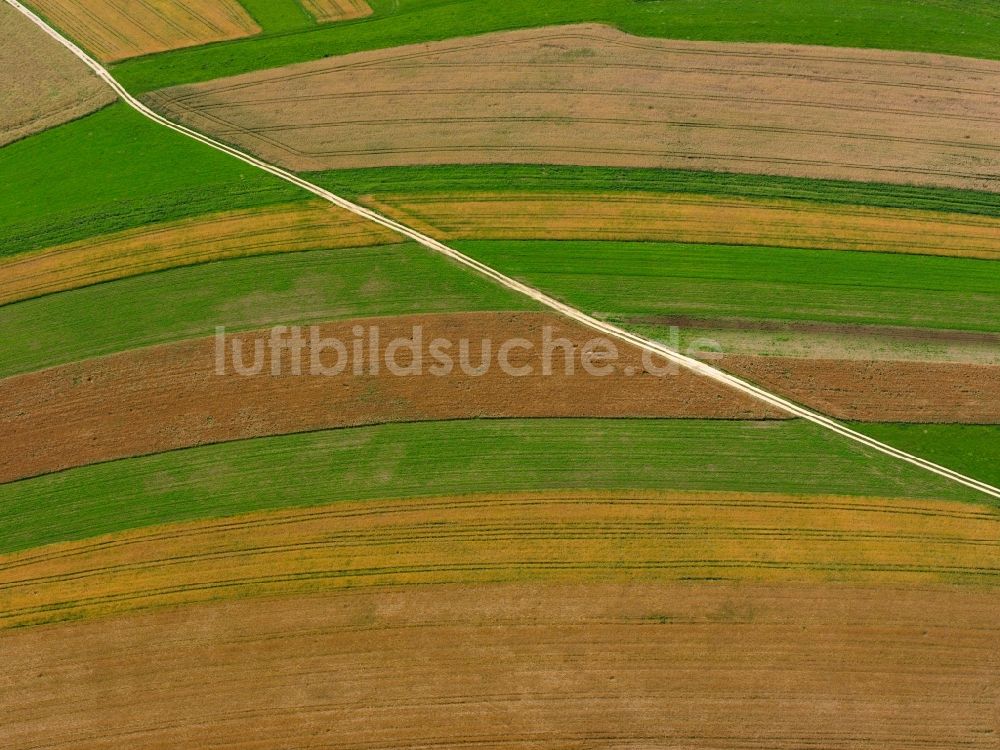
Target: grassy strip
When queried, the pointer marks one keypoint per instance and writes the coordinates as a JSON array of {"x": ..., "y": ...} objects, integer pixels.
[
  {"x": 969, "y": 27},
  {"x": 446, "y": 458},
  {"x": 279, "y": 16},
  {"x": 463, "y": 179},
  {"x": 116, "y": 170},
  {"x": 619, "y": 280},
  {"x": 248, "y": 293},
  {"x": 973, "y": 450}
]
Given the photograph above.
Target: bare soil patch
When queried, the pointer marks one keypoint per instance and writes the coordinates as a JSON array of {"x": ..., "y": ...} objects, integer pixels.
[
  {"x": 567, "y": 537},
  {"x": 879, "y": 391},
  {"x": 168, "y": 397},
  {"x": 113, "y": 31},
  {"x": 687, "y": 664},
  {"x": 693, "y": 219},
  {"x": 327, "y": 11},
  {"x": 44, "y": 84},
  {"x": 230, "y": 234},
  {"x": 590, "y": 95}
]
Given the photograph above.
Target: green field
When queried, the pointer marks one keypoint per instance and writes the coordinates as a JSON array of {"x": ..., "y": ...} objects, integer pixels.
[
  {"x": 973, "y": 450},
  {"x": 624, "y": 281},
  {"x": 241, "y": 294},
  {"x": 114, "y": 170},
  {"x": 966, "y": 27},
  {"x": 463, "y": 179},
  {"x": 279, "y": 16},
  {"x": 441, "y": 458}
]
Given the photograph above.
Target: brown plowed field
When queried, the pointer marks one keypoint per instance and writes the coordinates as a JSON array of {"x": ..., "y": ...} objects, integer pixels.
[
  {"x": 694, "y": 665},
  {"x": 570, "y": 537},
  {"x": 880, "y": 391},
  {"x": 590, "y": 95},
  {"x": 232, "y": 234},
  {"x": 168, "y": 397},
  {"x": 693, "y": 219},
  {"x": 44, "y": 84},
  {"x": 113, "y": 30},
  {"x": 325, "y": 11}
]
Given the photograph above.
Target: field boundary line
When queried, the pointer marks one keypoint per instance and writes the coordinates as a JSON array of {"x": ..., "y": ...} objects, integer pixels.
[{"x": 607, "y": 329}]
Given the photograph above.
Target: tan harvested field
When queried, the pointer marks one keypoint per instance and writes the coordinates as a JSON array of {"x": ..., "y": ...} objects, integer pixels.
[
  {"x": 113, "y": 30},
  {"x": 880, "y": 391},
  {"x": 590, "y": 95},
  {"x": 231, "y": 234},
  {"x": 90, "y": 411},
  {"x": 44, "y": 84},
  {"x": 695, "y": 219},
  {"x": 326, "y": 11},
  {"x": 694, "y": 665},
  {"x": 567, "y": 537}
]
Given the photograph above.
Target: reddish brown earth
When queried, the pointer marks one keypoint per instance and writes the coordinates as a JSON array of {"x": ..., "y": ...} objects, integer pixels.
[
  {"x": 880, "y": 391},
  {"x": 593, "y": 96},
  {"x": 169, "y": 397},
  {"x": 694, "y": 665}
]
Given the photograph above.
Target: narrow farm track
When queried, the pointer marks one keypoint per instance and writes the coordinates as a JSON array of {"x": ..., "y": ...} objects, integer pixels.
[{"x": 649, "y": 345}]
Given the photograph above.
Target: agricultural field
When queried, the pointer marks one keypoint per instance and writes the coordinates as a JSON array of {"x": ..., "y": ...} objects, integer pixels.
[
  {"x": 692, "y": 219},
  {"x": 561, "y": 537},
  {"x": 41, "y": 90},
  {"x": 459, "y": 457},
  {"x": 94, "y": 402},
  {"x": 116, "y": 170},
  {"x": 303, "y": 288},
  {"x": 280, "y": 469},
  {"x": 282, "y": 228},
  {"x": 967, "y": 29},
  {"x": 593, "y": 96},
  {"x": 114, "y": 31},
  {"x": 326, "y": 11},
  {"x": 713, "y": 665},
  {"x": 635, "y": 282}
]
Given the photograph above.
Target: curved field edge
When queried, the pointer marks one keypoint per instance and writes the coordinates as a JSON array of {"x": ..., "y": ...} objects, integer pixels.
[
  {"x": 223, "y": 235},
  {"x": 627, "y": 537},
  {"x": 927, "y": 26},
  {"x": 690, "y": 219},
  {"x": 534, "y": 178},
  {"x": 632, "y": 281},
  {"x": 973, "y": 450},
  {"x": 46, "y": 85},
  {"x": 206, "y": 391},
  {"x": 636, "y": 665},
  {"x": 112, "y": 32},
  {"x": 116, "y": 170},
  {"x": 555, "y": 95},
  {"x": 452, "y": 458},
  {"x": 240, "y": 294}
]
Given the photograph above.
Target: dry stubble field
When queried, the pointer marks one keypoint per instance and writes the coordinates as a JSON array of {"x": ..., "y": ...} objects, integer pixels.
[
  {"x": 703, "y": 665},
  {"x": 554, "y": 536},
  {"x": 695, "y": 219},
  {"x": 327, "y": 11},
  {"x": 113, "y": 30},
  {"x": 590, "y": 95},
  {"x": 44, "y": 84},
  {"x": 230, "y": 234}
]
